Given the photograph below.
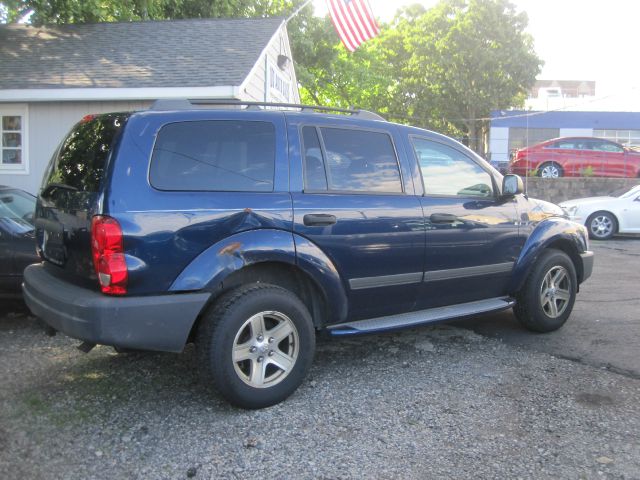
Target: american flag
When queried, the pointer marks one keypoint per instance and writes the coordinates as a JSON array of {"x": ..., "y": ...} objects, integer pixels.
[{"x": 354, "y": 21}]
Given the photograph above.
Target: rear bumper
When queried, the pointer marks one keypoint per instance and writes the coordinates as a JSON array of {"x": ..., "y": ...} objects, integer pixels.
[
  {"x": 160, "y": 322},
  {"x": 587, "y": 264}
]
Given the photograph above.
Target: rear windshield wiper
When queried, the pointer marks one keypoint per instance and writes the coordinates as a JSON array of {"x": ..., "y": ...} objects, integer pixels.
[{"x": 52, "y": 186}]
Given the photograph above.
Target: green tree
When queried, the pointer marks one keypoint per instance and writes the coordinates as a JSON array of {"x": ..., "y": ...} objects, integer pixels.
[
  {"x": 460, "y": 60},
  {"x": 330, "y": 75},
  {"x": 86, "y": 11}
]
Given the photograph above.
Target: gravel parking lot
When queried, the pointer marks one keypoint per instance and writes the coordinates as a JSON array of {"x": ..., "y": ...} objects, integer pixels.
[{"x": 434, "y": 402}]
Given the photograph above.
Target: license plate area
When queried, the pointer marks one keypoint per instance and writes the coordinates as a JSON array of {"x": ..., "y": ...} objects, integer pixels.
[{"x": 50, "y": 238}]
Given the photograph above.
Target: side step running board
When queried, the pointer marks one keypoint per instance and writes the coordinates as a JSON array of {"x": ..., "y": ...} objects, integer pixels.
[{"x": 431, "y": 315}]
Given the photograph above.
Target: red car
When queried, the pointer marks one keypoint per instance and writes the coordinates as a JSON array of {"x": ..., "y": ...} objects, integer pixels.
[{"x": 576, "y": 157}]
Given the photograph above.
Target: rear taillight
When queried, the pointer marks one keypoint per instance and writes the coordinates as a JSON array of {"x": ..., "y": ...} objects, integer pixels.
[{"x": 108, "y": 255}]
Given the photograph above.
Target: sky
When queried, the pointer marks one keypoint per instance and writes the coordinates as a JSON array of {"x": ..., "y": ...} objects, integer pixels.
[{"x": 577, "y": 39}]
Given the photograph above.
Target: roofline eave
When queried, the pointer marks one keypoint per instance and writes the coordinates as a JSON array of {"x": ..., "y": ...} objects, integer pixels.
[{"x": 113, "y": 94}]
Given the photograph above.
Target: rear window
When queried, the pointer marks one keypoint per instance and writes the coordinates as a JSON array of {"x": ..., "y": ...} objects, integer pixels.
[
  {"x": 214, "y": 155},
  {"x": 80, "y": 162}
]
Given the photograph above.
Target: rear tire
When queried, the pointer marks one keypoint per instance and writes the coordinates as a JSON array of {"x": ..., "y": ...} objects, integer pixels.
[
  {"x": 546, "y": 300},
  {"x": 602, "y": 225},
  {"x": 256, "y": 345},
  {"x": 550, "y": 170}
]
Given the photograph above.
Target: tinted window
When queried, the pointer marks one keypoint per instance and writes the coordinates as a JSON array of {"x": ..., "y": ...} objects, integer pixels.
[
  {"x": 82, "y": 157},
  {"x": 360, "y": 161},
  {"x": 446, "y": 171},
  {"x": 314, "y": 174},
  {"x": 214, "y": 155}
]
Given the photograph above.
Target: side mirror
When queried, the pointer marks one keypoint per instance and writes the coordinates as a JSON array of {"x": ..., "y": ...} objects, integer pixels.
[{"x": 512, "y": 185}]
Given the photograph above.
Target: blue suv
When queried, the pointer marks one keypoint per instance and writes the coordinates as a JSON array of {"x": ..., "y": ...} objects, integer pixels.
[{"x": 248, "y": 230}]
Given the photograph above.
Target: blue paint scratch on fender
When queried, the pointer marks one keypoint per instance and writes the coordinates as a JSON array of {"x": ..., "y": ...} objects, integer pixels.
[
  {"x": 545, "y": 233},
  {"x": 233, "y": 253},
  {"x": 238, "y": 251}
]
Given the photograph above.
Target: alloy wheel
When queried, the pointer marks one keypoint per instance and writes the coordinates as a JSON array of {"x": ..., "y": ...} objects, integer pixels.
[
  {"x": 265, "y": 349},
  {"x": 555, "y": 292},
  {"x": 550, "y": 171},
  {"x": 601, "y": 226}
]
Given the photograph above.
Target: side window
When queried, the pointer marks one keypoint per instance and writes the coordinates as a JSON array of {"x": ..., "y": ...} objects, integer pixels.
[
  {"x": 565, "y": 145},
  {"x": 360, "y": 161},
  {"x": 601, "y": 146},
  {"x": 214, "y": 155},
  {"x": 314, "y": 174},
  {"x": 446, "y": 171}
]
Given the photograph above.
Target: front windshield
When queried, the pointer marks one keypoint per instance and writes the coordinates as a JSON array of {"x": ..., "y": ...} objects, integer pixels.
[
  {"x": 624, "y": 192},
  {"x": 630, "y": 193},
  {"x": 16, "y": 211}
]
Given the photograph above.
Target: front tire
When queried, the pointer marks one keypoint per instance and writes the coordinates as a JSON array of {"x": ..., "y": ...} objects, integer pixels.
[
  {"x": 547, "y": 297},
  {"x": 601, "y": 225},
  {"x": 256, "y": 345}
]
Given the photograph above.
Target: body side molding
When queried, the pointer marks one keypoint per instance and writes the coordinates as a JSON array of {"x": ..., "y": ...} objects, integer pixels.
[
  {"x": 480, "y": 270},
  {"x": 431, "y": 276}
]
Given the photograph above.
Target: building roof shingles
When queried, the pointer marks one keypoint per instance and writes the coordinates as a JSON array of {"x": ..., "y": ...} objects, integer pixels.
[{"x": 182, "y": 53}]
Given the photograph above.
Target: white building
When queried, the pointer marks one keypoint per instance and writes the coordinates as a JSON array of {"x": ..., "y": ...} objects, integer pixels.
[{"x": 565, "y": 109}]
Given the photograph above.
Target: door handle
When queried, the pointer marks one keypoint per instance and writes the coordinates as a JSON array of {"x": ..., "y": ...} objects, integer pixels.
[
  {"x": 319, "y": 219},
  {"x": 443, "y": 218}
]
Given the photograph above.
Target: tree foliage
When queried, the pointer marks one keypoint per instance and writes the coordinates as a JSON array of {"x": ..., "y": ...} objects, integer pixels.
[
  {"x": 466, "y": 58},
  {"x": 330, "y": 75},
  {"x": 90, "y": 11}
]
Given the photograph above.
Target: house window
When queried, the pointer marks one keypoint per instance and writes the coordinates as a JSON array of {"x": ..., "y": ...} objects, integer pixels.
[{"x": 13, "y": 144}]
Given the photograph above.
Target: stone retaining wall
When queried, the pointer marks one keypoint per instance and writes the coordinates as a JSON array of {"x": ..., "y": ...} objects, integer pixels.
[{"x": 558, "y": 190}]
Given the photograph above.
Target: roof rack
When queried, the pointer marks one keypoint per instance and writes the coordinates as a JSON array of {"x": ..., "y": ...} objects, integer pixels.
[{"x": 187, "y": 104}]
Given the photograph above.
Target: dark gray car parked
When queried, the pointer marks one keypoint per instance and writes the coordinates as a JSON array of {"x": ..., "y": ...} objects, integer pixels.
[{"x": 17, "y": 244}]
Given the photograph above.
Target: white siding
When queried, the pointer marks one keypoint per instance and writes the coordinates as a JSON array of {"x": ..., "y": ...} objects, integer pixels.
[
  {"x": 576, "y": 132},
  {"x": 49, "y": 122},
  {"x": 499, "y": 144},
  {"x": 254, "y": 88}
]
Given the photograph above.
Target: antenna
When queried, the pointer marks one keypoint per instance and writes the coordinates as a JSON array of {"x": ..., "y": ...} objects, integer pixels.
[{"x": 526, "y": 171}]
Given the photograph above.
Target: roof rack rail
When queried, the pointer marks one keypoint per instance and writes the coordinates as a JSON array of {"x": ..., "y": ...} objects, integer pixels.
[{"x": 187, "y": 104}]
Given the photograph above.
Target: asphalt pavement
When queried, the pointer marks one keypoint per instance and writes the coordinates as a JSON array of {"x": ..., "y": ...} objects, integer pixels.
[{"x": 604, "y": 328}]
